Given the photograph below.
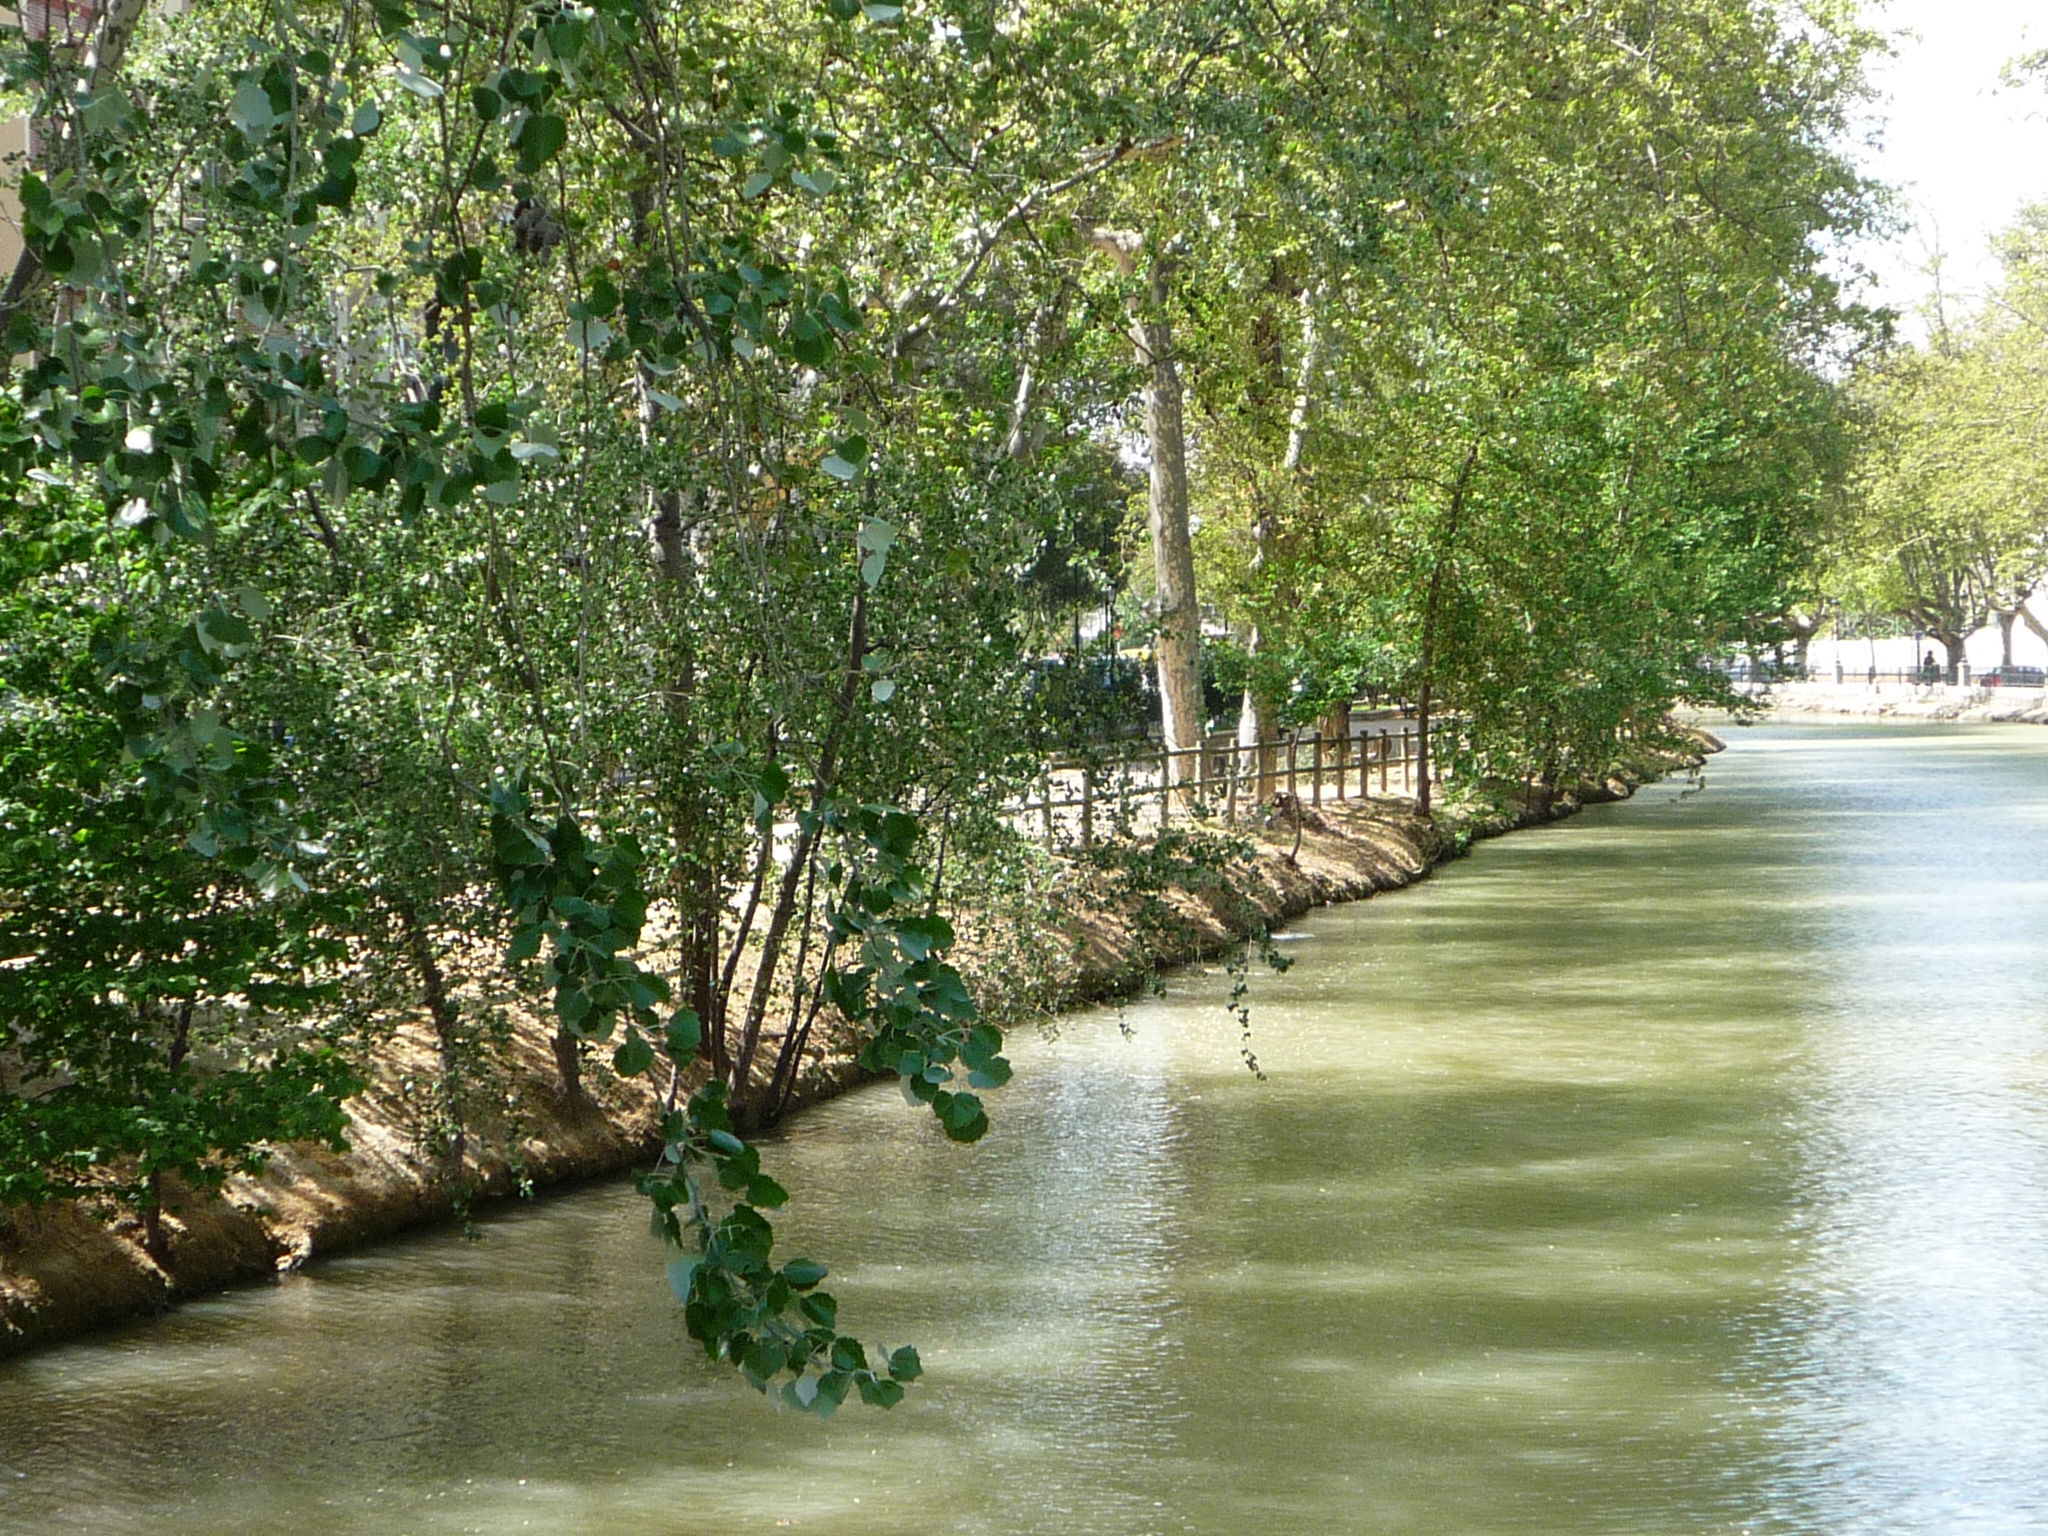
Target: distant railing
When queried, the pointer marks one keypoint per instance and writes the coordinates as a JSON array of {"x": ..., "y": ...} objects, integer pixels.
[
  {"x": 1134, "y": 789},
  {"x": 1921, "y": 677}
]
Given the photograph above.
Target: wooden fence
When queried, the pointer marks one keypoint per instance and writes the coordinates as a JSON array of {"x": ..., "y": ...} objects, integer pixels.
[{"x": 1134, "y": 789}]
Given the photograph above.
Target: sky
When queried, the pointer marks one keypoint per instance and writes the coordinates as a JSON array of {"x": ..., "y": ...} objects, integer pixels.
[{"x": 1967, "y": 151}]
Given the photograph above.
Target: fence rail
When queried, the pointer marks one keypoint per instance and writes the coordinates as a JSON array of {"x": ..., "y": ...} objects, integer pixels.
[
  {"x": 1843, "y": 676},
  {"x": 1144, "y": 789}
]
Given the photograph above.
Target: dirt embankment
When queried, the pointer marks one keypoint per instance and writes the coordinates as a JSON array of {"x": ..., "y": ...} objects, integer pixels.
[{"x": 64, "y": 1269}]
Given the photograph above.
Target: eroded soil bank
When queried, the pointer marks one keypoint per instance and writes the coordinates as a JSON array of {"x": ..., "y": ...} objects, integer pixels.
[{"x": 65, "y": 1269}]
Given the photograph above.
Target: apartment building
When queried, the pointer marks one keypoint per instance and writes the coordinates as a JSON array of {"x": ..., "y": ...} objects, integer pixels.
[{"x": 67, "y": 23}]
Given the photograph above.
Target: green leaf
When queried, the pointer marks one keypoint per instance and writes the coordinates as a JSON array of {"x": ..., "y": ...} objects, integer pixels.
[
  {"x": 875, "y": 540},
  {"x": 831, "y": 1393},
  {"x": 920, "y": 936},
  {"x": 106, "y": 111},
  {"x": 756, "y": 184},
  {"x": 514, "y": 846},
  {"x": 540, "y": 139},
  {"x": 419, "y": 84},
  {"x": 962, "y": 1117},
  {"x": 250, "y": 111},
  {"x": 804, "y": 1273},
  {"x": 589, "y": 335},
  {"x": 368, "y": 119},
  {"x": 634, "y": 1055},
  {"x": 685, "y": 1035},
  {"x": 762, "y": 1360},
  {"x": 904, "y": 1364},
  {"x": 682, "y": 1272},
  {"x": 992, "y": 1074},
  {"x": 880, "y": 1392},
  {"x": 225, "y": 629}
]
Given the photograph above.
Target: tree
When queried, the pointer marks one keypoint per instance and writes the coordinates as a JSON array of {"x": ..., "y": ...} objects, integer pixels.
[
  {"x": 1946, "y": 527},
  {"x": 579, "y": 482}
]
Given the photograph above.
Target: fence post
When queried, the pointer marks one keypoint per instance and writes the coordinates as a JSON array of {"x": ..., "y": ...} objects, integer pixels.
[
  {"x": 1230, "y": 808},
  {"x": 1087, "y": 805},
  {"x": 1165, "y": 785},
  {"x": 1315, "y": 768},
  {"x": 1343, "y": 745},
  {"x": 1386, "y": 746},
  {"x": 1045, "y": 805},
  {"x": 1293, "y": 752}
]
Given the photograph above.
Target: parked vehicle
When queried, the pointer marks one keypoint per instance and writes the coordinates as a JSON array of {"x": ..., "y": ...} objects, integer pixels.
[{"x": 2013, "y": 677}]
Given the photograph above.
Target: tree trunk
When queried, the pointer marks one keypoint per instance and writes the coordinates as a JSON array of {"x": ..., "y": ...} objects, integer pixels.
[
  {"x": 1953, "y": 644},
  {"x": 695, "y": 881},
  {"x": 1177, "y": 646},
  {"x": 2005, "y": 617},
  {"x": 1422, "y": 703},
  {"x": 1430, "y": 610},
  {"x": 1258, "y": 729},
  {"x": 155, "y": 1241},
  {"x": 569, "y": 1064},
  {"x": 447, "y": 1022},
  {"x": 1258, "y": 716},
  {"x": 748, "y": 1108}
]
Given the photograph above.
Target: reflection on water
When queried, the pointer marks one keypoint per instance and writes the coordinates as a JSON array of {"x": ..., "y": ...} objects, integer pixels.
[
  {"x": 1680, "y": 1170},
  {"x": 1913, "y": 1357}
]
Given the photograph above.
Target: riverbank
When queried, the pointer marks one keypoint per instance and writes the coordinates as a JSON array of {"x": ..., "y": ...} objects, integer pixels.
[
  {"x": 1101, "y": 930},
  {"x": 1913, "y": 701}
]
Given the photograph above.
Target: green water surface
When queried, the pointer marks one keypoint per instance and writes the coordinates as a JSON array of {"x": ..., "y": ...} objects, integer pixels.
[{"x": 1680, "y": 1169}]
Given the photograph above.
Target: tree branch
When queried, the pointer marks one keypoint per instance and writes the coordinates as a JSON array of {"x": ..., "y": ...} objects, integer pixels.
[{"x": 988, "y": 236}]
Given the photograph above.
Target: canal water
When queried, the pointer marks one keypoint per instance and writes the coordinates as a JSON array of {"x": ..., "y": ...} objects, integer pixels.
[{"x": 1683, "y": 1168}]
